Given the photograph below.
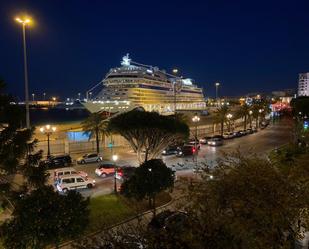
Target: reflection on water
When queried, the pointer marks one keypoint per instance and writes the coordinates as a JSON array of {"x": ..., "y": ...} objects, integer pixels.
[{"x": 56, "y": 116}]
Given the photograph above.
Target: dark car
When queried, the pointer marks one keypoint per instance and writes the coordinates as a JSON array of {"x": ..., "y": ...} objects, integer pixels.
[
  {"x": 57, "y": 161},
  {"x": 250, "y": 131},
  {"x": 238, "y": 134},
  {"x": 169, "y": 221},
  {"x": 170, "y": 150},
  {"x": 186, "y": 150}
]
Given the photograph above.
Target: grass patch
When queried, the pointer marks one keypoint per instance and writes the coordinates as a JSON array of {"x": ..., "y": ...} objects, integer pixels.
[{"x": 110, "y": 209}]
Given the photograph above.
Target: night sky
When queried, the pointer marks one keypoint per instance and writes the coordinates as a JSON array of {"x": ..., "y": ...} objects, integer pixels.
[{"x": 248, "y": 46}]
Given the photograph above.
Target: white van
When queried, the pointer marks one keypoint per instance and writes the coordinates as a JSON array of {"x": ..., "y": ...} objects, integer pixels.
[
  {"x": 73, "y": 182},
  {"x": 68, "y": 171}
]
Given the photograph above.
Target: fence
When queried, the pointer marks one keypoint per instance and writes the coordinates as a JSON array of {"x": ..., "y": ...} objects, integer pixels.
[{"x": 61, "y": 146}]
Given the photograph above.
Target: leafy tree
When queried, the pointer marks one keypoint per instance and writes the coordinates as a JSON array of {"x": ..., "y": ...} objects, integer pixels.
[
  {"x": 95, "y": 125},
  {"x": 300, "y": 105},
  {"x": 15, "y": 142},
  {"x": 220, "y": 116},
  {"x": 149, "y": 179},
  {"x": 250, "y": 204},
  {"x": 44, "y": 217},
  {"x": 243, "y": 112},
  {"x": 35, "y": 173},
  {"x": 148, "y": 132}
]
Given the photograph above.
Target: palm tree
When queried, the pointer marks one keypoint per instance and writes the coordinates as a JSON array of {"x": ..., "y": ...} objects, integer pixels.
[
  {"x": 95, "y": 126},
  {"x": 221, "y": 116},
  {"x": 243, "y": 112}
]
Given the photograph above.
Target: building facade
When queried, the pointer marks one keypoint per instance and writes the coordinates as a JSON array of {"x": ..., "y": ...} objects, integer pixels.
[{"x": 303, "y": 84}]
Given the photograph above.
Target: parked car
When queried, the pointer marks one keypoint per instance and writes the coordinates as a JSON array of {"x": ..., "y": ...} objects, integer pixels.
[
  {"x": 74, "y": 182},
  {"x": 228, "y": 135},
  {"x": 170, "y": 150},
  {"x": 238, "y": 134},
  {"x": 186, "y": 150},
  {"x": 216, "y": 141},
  {"x": 105, "y": 169},
  {"x": 249, "y": 131},
  {"x": 204, "y": 140},
  {"x": 169, "y": 220},
  {"x": 125, "y": 173},
  {"x": 57, "y": 161},
  {"x": 243, "y": 132},
  {"x": 89, "y": 158},
  {"x": 192, "y": 142},
  {"x": 68, "y": 171},
  {"x": 254, "y": 129}
]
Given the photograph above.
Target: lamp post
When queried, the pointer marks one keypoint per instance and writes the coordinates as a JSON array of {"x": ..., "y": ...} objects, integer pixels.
[
  {"x": 24, "y": 22},
  {"x": 175, "y": 71},
  {"x": 79, "y": 96},
  {"x": 229, "y": 117},
  {"x": 33, "y": 97},
  {"x": 260, "y": 112},
  {"x": 115, "y": 158},
  {"x": 44, "y": 94},
  {"x": 250, "y": 116},
  {"x": 195, "y": 120},
  {"x": 48, "y": 130},
  {"x": 217, "y": 84},
  {"x": 90, "y": 95}
]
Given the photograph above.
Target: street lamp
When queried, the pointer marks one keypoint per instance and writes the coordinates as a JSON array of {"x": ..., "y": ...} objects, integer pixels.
[
  {"x": 195, "y": 120},
  {"x": 48, "y": 130},
  {"x": 229, "y": 117},
  {"x": 79, "y": 96},
  {"x": 250, "y": 116},
  {"x": 175, "y": 72},
  {"x": 90, "y": 95},
  {"x": 33, "y": 96},
  {"x": 44, "y": 94},
  {"x": 24, "y": 22},
  {"x": 217, "y": 84},
  {"x": 115, "y": 158}
]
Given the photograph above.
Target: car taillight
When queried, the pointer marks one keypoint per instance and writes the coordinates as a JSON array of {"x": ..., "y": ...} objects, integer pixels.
[{"x": 193, "y": 150}]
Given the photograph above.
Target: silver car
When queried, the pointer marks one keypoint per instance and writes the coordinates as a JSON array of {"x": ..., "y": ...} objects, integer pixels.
[
  {"x": 215, "y": 141},
  {"x": 89, "y": 158}
]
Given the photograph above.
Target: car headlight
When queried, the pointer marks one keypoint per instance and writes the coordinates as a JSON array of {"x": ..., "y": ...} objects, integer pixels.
[
  {"x": 180, "y": 152},
  {"x": 164, "y": 151}
]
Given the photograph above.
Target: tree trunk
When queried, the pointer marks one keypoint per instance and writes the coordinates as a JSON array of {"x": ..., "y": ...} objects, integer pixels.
[
  {"x": 245, "y": 124},
  {"x": 97, "y": 139},
  {"x": 222, "y": 126},
  {"x": 154, "y": 205}
]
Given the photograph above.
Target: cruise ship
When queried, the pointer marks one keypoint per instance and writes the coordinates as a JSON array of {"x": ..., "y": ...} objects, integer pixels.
[{"x": 135, "y": 85}]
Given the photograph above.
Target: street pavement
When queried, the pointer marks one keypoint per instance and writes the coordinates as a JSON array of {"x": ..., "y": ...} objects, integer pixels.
[{"x": 260, "y": 143}]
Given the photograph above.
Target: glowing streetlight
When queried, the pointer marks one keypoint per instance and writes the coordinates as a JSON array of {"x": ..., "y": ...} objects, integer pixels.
[
  {"x": 175, "y": 72},
  {"x": 195, "y": 119},
  {"x": 44, "y": 94},
  {"x": 250, "y": 116},
  {"x": 229, "y": 117},
  {"x": 33, "y": 96},
  {"x": 217, "y": 84},
  {"x": 48, "y": 130},
  {"x": 115, "y": 158},
  {"x": 24, "y": 22}
]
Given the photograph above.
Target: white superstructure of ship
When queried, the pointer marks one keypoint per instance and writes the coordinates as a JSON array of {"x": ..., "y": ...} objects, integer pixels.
[{"x": 136, "y": 85}]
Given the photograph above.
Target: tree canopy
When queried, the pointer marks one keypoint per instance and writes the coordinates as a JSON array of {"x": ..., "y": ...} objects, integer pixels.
[
  {"x": 249, "y": 204},
  {"x": 149, "y": 179},
  {"x": 148, "y": 133},
  {"x": 44, "y": 217},
  {"x": 95, "y": 126}
]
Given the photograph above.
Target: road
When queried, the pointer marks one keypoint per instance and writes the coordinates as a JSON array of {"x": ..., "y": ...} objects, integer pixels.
[{"x": 259, "y": 143}]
